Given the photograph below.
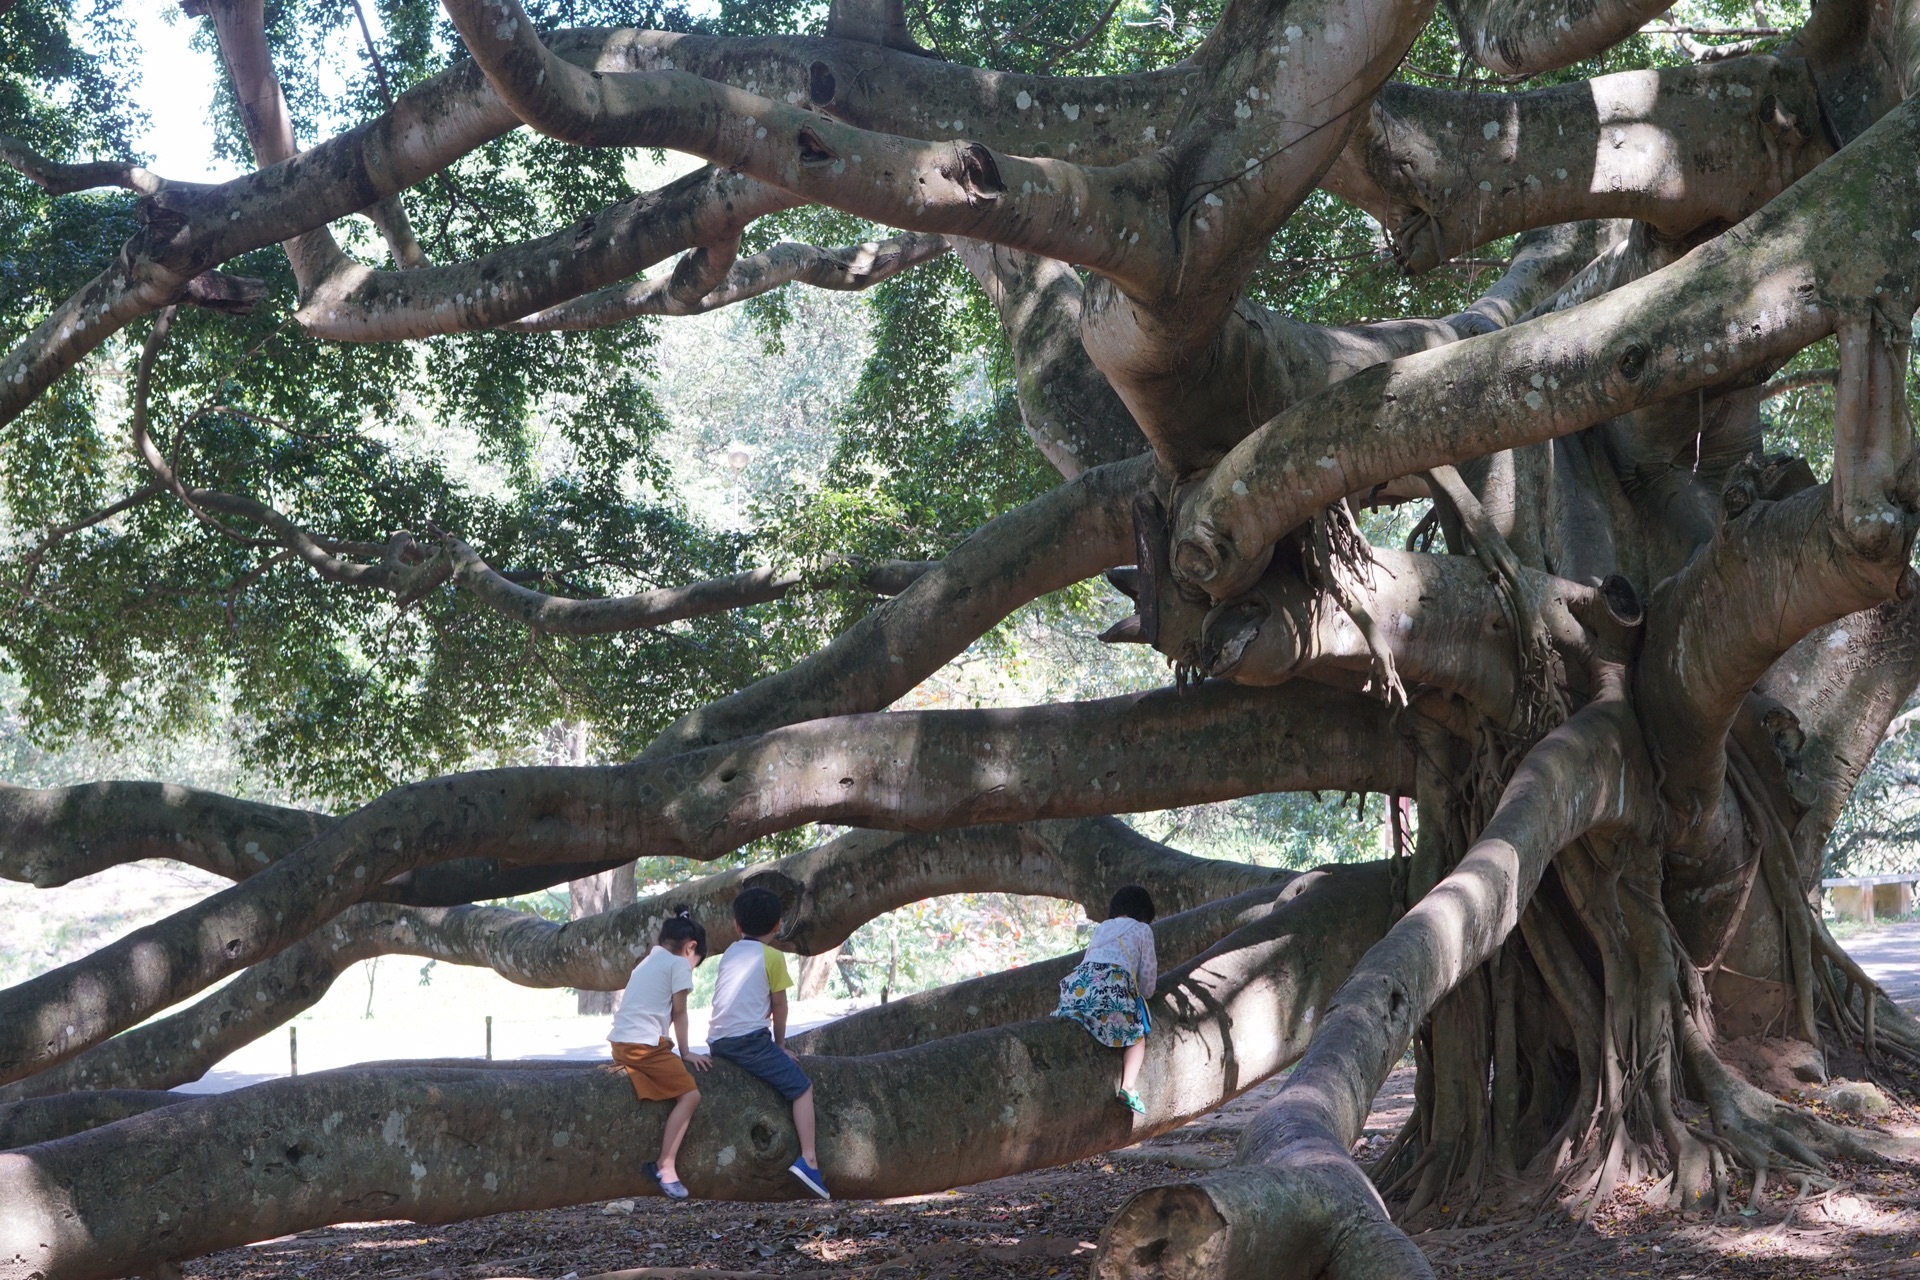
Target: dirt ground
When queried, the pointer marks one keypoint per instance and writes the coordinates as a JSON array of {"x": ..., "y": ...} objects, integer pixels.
[{"x": 1046, "y": 1224}]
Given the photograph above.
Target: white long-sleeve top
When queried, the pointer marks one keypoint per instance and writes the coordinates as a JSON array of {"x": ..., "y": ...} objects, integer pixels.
[{"x": 1128, "y": 943}]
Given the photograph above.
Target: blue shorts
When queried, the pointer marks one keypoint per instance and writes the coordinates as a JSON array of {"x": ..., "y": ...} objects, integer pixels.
[{"x": 756, "y": 1054}]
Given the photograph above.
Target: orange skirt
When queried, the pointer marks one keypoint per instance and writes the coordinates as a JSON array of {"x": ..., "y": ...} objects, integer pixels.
[{"x": 655, "y": 1069}]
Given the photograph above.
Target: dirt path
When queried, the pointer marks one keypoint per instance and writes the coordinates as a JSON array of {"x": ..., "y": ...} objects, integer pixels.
[{"x": 1891, "y": 957}]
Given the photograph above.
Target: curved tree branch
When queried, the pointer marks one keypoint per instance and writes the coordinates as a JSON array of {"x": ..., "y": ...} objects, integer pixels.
[
  {"x": 1294, "y": 1187},
  {"x": 1059, "y": 538},
  {"x": 1514, "y": 37},
  {"x": 1032, "y": 991},
  {"x": 1678, "y": 148},
  {"x": 1768, "y": 288},
  {"x": 829, "y": 891},
  {"x": 473, "y": 1141},
  {"x": 1776, "y": 570},
  {"x": 852, "y": 268},
  {"x": 900, "y": 771},
  {"x": 1061, "y": 209},
  {"x": 353, "y": 303},
  {"x": 558, "y": 615}
]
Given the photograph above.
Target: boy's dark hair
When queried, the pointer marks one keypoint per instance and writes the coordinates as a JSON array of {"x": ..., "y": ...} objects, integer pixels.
[
  {"x": 679, "y": 926},
  {"x": 1131, "y": 900},
  {"x": 757, "y": 911}
]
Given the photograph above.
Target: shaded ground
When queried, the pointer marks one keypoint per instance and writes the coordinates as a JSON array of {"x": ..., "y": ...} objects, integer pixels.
[{"x": 1046, "y": 1223}]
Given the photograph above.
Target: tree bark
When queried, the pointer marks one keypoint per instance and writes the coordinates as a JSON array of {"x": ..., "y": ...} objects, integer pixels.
[
  {"x": 441, "y": 1144},
  {"x": 828, "y": 892}
]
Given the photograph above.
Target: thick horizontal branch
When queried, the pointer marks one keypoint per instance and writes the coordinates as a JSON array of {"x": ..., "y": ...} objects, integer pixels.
[
  {"x": 1032, "y": 991},
  {"x": 1763, "y": 291},
  {"x": 828, "y": 892},
  {"x": 1093, "y": 119},
  {"x": 1096, "y": 217},
  {"x": 53, "y": 836},
  {"x": 443, "y": 1144},
  {"x": 897, "y": 771},
  {"x": 354, "y": 303},
  {"x": 43, "y": 1119},
  {"x": 1065, "y": 535},
  {"x": 1678, "y": 148},
  {"x": 852, "y": 268}
]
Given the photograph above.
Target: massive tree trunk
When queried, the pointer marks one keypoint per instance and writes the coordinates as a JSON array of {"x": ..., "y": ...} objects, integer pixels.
[{"x": 1625, "y": 677}]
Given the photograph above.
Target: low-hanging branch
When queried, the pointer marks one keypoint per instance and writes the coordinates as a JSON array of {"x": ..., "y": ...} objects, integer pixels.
[
  {"x": 827, "y": 892},
  {"x": 1294, "y": 1173},
  {"x": 924, "y": 770},
  {"x": 1032, "y": 991},
  {"x": 1223, "y": 1023}
]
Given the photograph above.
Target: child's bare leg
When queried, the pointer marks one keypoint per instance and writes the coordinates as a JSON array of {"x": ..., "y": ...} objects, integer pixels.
[
  {"x": 1130, "y": 1060},
  {"x": 677, "y": 1121},
  {"x": 803, "y": 1125}
]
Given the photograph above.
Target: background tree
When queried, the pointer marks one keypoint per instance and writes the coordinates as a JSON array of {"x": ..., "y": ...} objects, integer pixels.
[{"x": 1628, "y": 668}]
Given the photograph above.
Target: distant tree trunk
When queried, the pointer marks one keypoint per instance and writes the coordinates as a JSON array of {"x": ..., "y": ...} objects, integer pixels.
[
  {"x": 608, "y": 891},
  {"x": 810, "y": 982}
]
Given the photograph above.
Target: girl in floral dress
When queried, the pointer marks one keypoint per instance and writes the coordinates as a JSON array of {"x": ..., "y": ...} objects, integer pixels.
[{"x": 1107, "y": 992}]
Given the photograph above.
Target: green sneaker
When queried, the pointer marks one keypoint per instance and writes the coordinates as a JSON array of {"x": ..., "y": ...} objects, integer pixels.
[{"x": 1132, "y": 1100}]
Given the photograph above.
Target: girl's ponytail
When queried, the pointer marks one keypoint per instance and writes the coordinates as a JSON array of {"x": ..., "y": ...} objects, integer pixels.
[{"x": 680, "y": 926}]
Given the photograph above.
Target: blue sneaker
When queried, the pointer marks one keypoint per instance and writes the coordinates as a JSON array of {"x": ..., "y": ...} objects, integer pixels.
[{"x": 811, "y": 1176}]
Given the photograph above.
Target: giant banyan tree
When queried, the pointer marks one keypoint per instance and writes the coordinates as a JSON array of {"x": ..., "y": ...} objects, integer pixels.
[{"x": 1621, "y": 679}]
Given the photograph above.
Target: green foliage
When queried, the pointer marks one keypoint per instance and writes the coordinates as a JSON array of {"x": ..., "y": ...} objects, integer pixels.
[{"x": 561, "y": 457}]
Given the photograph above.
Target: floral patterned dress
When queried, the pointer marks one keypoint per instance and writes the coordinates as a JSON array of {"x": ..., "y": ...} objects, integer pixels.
[
  {"x": 1102, "y": 998},
  {"x": 1103, "y": 993}
]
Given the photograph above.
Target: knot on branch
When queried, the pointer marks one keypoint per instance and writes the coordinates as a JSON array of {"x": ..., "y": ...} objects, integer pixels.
[
  {"x": 229, "y": 294},
  {"x": 821, "y": 84},
  {"x": 979, "y": 173},
  {"x": 813, "y": 150}
]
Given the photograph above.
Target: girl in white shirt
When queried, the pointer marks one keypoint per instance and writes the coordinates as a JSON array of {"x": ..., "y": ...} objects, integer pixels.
[
  {"x": 1107, "y": 992},
  {"x": 656, "y": 997}
]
